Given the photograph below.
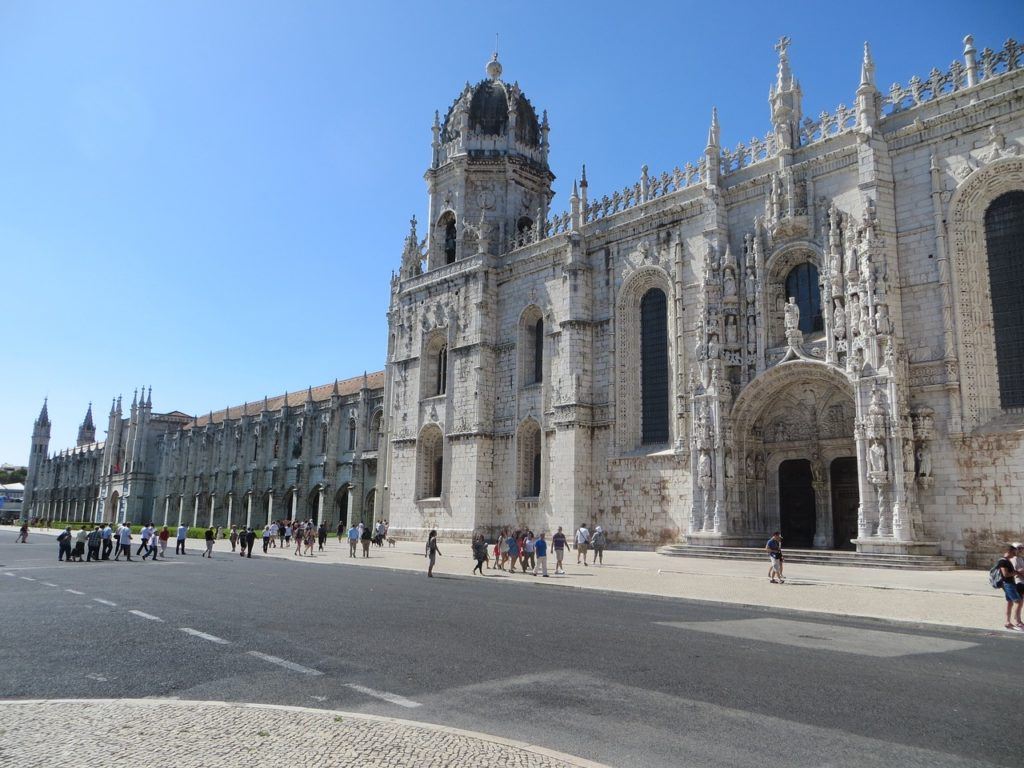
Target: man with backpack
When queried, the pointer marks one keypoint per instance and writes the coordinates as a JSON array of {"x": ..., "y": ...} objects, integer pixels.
[{"x": 1003, "y": 575}]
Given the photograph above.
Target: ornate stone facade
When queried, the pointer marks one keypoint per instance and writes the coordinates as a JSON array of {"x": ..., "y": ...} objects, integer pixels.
[
  {"x": 309, "y": 455},
  {"x": 794, "y": 334}
]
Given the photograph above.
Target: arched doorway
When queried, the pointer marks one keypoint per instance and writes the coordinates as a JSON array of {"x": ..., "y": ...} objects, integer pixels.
[
  {"x": 797, "y": 512},
  {"x": 371, "y": 499},
  {"x": 845, "y": 501},
  {"x": 112, "y": 509}
]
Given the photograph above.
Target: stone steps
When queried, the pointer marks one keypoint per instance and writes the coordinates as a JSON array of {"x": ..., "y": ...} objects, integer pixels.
[{"x": 815, "y": 557}]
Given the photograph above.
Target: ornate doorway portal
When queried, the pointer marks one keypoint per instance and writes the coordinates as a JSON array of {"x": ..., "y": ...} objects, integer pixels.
[
  {"x": 797, "y": 510},
  {"x": 845, "y": 500}
]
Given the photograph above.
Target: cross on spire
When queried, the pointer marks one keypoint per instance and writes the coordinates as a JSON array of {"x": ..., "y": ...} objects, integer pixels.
[{"x": 782, "y": 45}]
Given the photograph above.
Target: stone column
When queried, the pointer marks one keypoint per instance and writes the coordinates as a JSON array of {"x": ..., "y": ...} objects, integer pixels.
[
  {"x": 231, "y": 500},
  {"x": 270, "y": 508},
  {"x": 195, "y": 511},
  {"x": 213, "y": 503},
  {"x": 320, "y": 506},
  {"x": 181, "y": 505},
  {"x": 248, "y": 510},
  {"x": 295, "y": 502},
  {"x": 167, "y": 508}
]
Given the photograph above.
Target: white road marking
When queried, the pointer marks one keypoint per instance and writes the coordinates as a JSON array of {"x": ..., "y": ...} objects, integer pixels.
[
  {"x": 8, "y": 573},
  {"x": 211, "y": 638},
  {"x": 149, "y": 616},
  {"x": 105, "y": 602},
  {"x": 97, "y": 678},
  {"x": 47, "y": 584},
  {"x": 392, "y": 698},
  {"x": 74, "y": 592},
  {"x": 26, "y": 578},
  {"x": 825, "y": 637},
  {"x": 285, "y": 663}
]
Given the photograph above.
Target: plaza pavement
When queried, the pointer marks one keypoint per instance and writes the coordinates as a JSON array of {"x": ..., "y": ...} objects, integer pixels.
[
  {"x": 137, "y": 733},
  {"x": 960, "y": 598}
]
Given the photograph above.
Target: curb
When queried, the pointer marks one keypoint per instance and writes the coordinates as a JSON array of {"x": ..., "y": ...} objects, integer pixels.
[{"x": 573, "y": 760}]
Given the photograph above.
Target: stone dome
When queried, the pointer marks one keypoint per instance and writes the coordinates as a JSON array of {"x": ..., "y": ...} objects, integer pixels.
[{"x": 488, "y": 104}]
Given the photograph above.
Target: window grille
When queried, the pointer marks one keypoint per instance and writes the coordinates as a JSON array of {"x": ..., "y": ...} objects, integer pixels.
[
  {"x": 654, "y": 367},
  {"x": 1004, "y": 240}
]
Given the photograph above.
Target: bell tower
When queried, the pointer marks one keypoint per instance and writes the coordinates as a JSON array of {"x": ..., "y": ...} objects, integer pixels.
[
  {"x": 40, "y": 444},
  {"x": 488, "y": 179}
]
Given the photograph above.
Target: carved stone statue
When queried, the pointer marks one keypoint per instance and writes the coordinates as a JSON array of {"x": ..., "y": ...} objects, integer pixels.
[
  {"x": 751, "y": 283},
  {"x": 792, "y": 315},
  {"x": 854, "y": 314},
  {"x": 881, "y": 319},
  {"x": 729, "y": 284},
  {"x": 704, "y": 477},
  {"x": 713, "y": 348},
  {"x": 924, "y": 460},
  {"x": 730, "y": 329},
  {"x": 876, "y": 457},
  {"x": 839, "y": 321}
]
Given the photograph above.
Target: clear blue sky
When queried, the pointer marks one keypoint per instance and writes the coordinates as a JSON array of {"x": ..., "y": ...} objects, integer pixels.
[{"x": 209, "y": 197}]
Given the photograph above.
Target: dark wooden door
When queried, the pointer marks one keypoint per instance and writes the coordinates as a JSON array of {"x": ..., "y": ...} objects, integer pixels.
[
  {"x": 796, "y": 503},
  {"x": 845, "y": 501}
]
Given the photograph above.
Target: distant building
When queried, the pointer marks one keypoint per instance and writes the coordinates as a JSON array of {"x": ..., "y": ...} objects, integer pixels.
[{"x": 11, "y": 498}]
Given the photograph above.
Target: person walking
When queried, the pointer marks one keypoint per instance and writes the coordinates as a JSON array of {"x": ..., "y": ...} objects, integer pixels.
[
  {"x": 774, "y": 549},
  {"x": 210, "y": 538},
  {"x": 275, "y": 529},
  {"x": 479, "y": 553},
  {"x": 1018, "y": 566},
  {"x": 582, "y": 543},
  {"x": 79, "y": 551},
  {"x": 106, "y": 537},
  {"x": 559, "y": 542},
  {"x": 321, "y": 537},
  {"x": 266, "y": 538},
  {"x": 144, "y": 535},
  {"x": 288, "y": 533},
  {"x": 124, "y": 538},
  {"x": 22, "y": 534},
  {"x": 93, "y": 543},
  {"x": 365, "y": 538},
  {"x": 64, "y": 546},
  {"x": 528, "y": 554},
  {"x": 1008, "y": 582},
  {"x": 513, "y": 551},
  {"x": 432, "y": 551},
  {"x": 501, "y": 550},
  {"x": 233, "y": 537},
  {"x": 353, "y": 540},
  {"x": 341, "y": 531},
  {"x": 598, "y": 542},
  {"x": 540, "y": 549},
  {"x": 165, "y": 534},
  {"x": 250, "y": 539},
  {"x": 280, "y": 534},
  {"x": 179, "y": 548}
]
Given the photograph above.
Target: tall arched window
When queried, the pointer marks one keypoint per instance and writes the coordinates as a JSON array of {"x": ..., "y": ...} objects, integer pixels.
[
  {"x": 1004, "y": 241},
  {"x": 434, "y": 365},
  {"x": 430, "y": 462},
  {"x": 802, "y": 285},
  {"x": 528, "y": 445},
  {"x": 451, "y": 237},
  {"x": 441, "y": 382},
  {"x": 323, "y": 438},
  {"x": 375, "y": 431},
  {"x": 351, "y": 434},
  {"x": 654, "y": 367},
  {"x": 538, "y": 351}
]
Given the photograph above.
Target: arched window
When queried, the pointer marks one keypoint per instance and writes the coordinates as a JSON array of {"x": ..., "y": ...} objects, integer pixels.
[
  {"x": 441, "y": 380},
  {"x": 1004, "y": 241},
  {"x": 451, "y": 237},
  {"x": 351, "y": 434},
  {"x": 802, "y": 285},
  {"x": 375, "y": 431},
  {"x": 430, "y": 462},
  {"x": 654, "y": 379},
  {"x": 323, "y": 438},
  {"x": 528, "y": 455},
  {"x": 434, "y": 366},
  {"x": 538, "y": 351}
]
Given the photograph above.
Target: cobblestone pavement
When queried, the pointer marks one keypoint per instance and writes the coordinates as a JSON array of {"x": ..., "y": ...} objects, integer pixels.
[{"x": 161, "y": 732}]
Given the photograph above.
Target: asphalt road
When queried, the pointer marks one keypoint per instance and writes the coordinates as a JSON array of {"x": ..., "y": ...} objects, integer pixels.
[{"x": 624, "y": 680}]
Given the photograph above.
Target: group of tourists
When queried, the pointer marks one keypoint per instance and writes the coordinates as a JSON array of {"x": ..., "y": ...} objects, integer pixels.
[
  {"x": 100, "y": 541},
  {"x": 521, "y": 548}
]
